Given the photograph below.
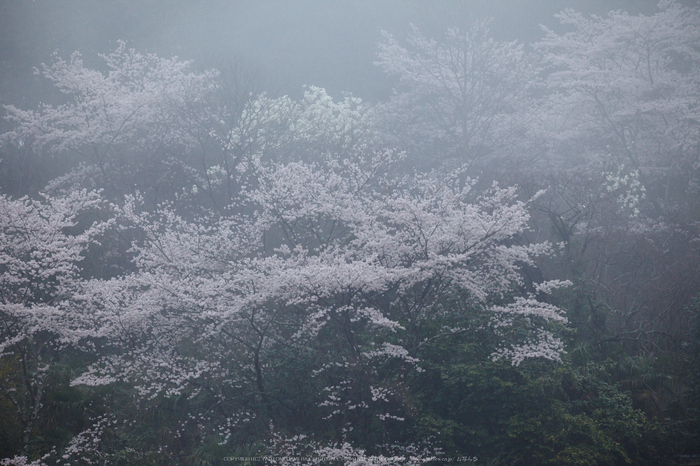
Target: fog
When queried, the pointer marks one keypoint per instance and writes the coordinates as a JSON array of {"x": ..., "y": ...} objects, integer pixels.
[
  {"x": 331, "y": 44},
  {"x": 367, "y": 232}
]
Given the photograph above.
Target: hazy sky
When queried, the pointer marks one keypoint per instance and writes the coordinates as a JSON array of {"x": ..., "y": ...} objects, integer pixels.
[{"x": 329, "y": 43}]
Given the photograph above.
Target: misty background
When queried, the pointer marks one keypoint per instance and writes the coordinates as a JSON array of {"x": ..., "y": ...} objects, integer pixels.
[
  {"x": 330, "y": 44},
  {"x": 367, "y": 229}
]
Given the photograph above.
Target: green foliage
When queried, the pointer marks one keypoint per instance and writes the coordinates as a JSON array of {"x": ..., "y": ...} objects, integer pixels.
[{"x": 538, "y": 413}]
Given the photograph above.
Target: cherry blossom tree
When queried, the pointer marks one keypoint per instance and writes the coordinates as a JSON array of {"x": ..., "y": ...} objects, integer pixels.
[
  {"x": 336, "y": 276},
  {"x": 621, "y": 121},
  {"x": 463, "y": 96},
  {"x": 629, "y": 84},
  {"x": 124, "y": 123},
  {"x": 624, "y": 93},
  {"x": 41, "y": 246},
  {"x": 152, "y": 125},
  {"x": 282, "y": 129}
]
